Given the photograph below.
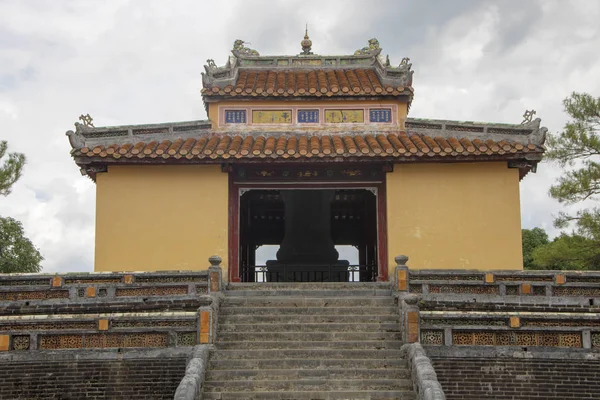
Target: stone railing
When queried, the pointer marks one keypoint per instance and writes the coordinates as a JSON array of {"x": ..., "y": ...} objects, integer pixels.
[
  {"x": 190, "y": 387},
  {"x": 423, "y": 376},
  {"x": 499, "y": 308},
  {"x": 109, "y": 310}
]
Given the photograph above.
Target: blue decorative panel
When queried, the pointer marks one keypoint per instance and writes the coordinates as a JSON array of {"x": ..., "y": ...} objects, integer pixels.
[
  {"x": 308, "y": 116},
  {"x": 380, "y": 115},
  {"x": 235, "y": 116}
]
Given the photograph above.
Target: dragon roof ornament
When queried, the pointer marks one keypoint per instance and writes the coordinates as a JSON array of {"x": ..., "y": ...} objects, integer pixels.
[
  {"x": 239, "y": 48},
  {"x": 249, "y": 59},
  {"x": 373, "y": 47}
]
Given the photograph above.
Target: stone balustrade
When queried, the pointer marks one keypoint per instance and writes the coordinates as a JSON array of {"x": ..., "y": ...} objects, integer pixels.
[
  {"x": 499, "y": 308},
  {"x": 109, "y": 310}
]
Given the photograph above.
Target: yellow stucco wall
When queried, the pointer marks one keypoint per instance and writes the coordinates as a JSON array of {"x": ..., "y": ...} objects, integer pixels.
[
  {"x": 455, "y": 216},
  {"x": 163, "y": 217},
  {"x": 213, "y": 108}
]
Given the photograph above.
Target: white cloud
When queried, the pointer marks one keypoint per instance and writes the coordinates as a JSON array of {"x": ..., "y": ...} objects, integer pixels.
[{"x": 130, "y": 62}]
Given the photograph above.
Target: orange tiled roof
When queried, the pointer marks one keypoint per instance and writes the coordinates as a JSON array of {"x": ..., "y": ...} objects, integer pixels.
[
  {"x": 398, "y": 145},
  {"x": 314, "y": 82}
]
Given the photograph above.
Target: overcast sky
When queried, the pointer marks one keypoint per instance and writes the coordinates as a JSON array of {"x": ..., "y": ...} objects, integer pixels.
[{"x": 130, "y": 62}]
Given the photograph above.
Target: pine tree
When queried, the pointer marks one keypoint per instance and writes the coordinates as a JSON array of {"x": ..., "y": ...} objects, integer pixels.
[
  {"x": 577, "y": 149},
  {"x": 11, "y": 169}
]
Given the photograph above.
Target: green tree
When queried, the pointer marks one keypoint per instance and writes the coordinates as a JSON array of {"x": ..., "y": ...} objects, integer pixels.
[
  {"x": 567, "y": 252},
  {"x": 531, "y": 240},
  {"x": 577, "y": 148},
  {"x": 17, "y": 253},
  {"x": 11, "y": 169}
]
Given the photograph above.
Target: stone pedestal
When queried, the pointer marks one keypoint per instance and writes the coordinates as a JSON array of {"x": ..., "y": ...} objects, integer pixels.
[
  {"x": 307, "y": 243},
  {"x": 307, "y": 235}
]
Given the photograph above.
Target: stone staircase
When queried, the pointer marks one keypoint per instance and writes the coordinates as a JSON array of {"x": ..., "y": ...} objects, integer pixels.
[{"x": 308, "y": 341}]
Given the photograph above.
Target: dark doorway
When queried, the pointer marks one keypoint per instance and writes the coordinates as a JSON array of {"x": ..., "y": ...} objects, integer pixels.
[{"x": 352, "y": 221}]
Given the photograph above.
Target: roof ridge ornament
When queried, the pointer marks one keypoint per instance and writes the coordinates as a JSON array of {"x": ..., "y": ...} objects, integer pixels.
[
  {"x": 528, "y": 117},
  {"x": 306, "y": 44},
  {"x": 370, "y": 49},
  {"x": 405, "y": 65},
  {"x": 239, "y": 48},
  {"x": 87, "y": 120}
]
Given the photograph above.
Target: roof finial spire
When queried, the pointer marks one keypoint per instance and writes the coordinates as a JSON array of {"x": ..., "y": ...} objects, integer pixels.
[{"x": 306, "y": 43}]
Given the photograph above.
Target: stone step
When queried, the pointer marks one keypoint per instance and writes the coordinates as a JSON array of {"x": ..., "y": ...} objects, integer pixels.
[
  {"x": 349, "y": 288},
  {"x": 306, "y": 336},
  {"x": 314, "y": 395},
  {"x": 306, "y": 319},
  {"x": 308, "y": 310},
  {"x": 293, "y": 327},
  {"x": 286, "y": 374},
  {"x": 312, "y": 345},
  {"x": 308, "y": 293},
  {"x": 307, "y": 353},
  {"x": 296, "y": 301},
  {"x": 309, "y": 384},
  {"x": 304, "y": 363}
]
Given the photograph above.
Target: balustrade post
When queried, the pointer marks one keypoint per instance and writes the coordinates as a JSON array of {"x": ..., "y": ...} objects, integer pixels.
[
  {"x": 215, "y": 274},
  {"x": 410, "y": 318},
  {"x": 401, "y": 277}
]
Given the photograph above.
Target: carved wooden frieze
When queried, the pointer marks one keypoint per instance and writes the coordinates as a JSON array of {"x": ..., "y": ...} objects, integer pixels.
[{"x": 309, "y": 173}]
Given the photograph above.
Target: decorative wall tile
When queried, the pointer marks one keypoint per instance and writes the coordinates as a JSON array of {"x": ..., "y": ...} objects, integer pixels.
[
  {"x": 483, "y": 338},
  {"x": 344, "y": 116},
  {"x": 201, "y": 289},
  {"x": 570, "y": 340},
  {"x": 415, "y": 288},
  {"x": 471, "y": 289},
  {"x": 49, "y": 326},
  {"x": 271, "y": 116},
  {"x": 446, "y": 277},
  {"x": 148, "y": 323},
  {"x": 21, "y": 342},
  {"x": 24, "y": 282},
  {"x": 432, "y": 337},
  {"x": 576, "y": 291},
  {"x": 516, "y": 338},
  {"x": 170, "y": 279},
  {"x": 560, "y": 322},
  {"x": 512, "y": 290},
  {"x": 463, "y": 321},
  {"x": 235, "y": 116},
  {"x": 34, "y": 295},
  {"x": 187, "y": 338},
  {"x": 153, "y": 291},
  {"x": 103, "y": 340},
  {"x": 380, "y": 115},
  {"x": 539, "y": 290},
  {"x": 92, "y": 280},
  {"x": 308, "y": 116}
]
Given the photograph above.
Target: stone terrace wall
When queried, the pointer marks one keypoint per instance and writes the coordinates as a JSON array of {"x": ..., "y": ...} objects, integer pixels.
[
  {"x": 503, "y": 373},
  {"x": 500, "y": 308},
  {"x": 108, "y": 310},
  {"x": 99, "y": 374}
]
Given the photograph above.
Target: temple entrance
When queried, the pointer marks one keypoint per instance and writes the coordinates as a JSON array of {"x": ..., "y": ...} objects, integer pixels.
[{"x": 307, "y": 225}]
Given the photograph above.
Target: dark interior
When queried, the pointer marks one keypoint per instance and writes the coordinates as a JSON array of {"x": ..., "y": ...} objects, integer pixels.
[{"x": 353, "y": 221}]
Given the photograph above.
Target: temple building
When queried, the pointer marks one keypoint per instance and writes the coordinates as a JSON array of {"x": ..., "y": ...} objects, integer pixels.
[{"x": 308, "y": 152}]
